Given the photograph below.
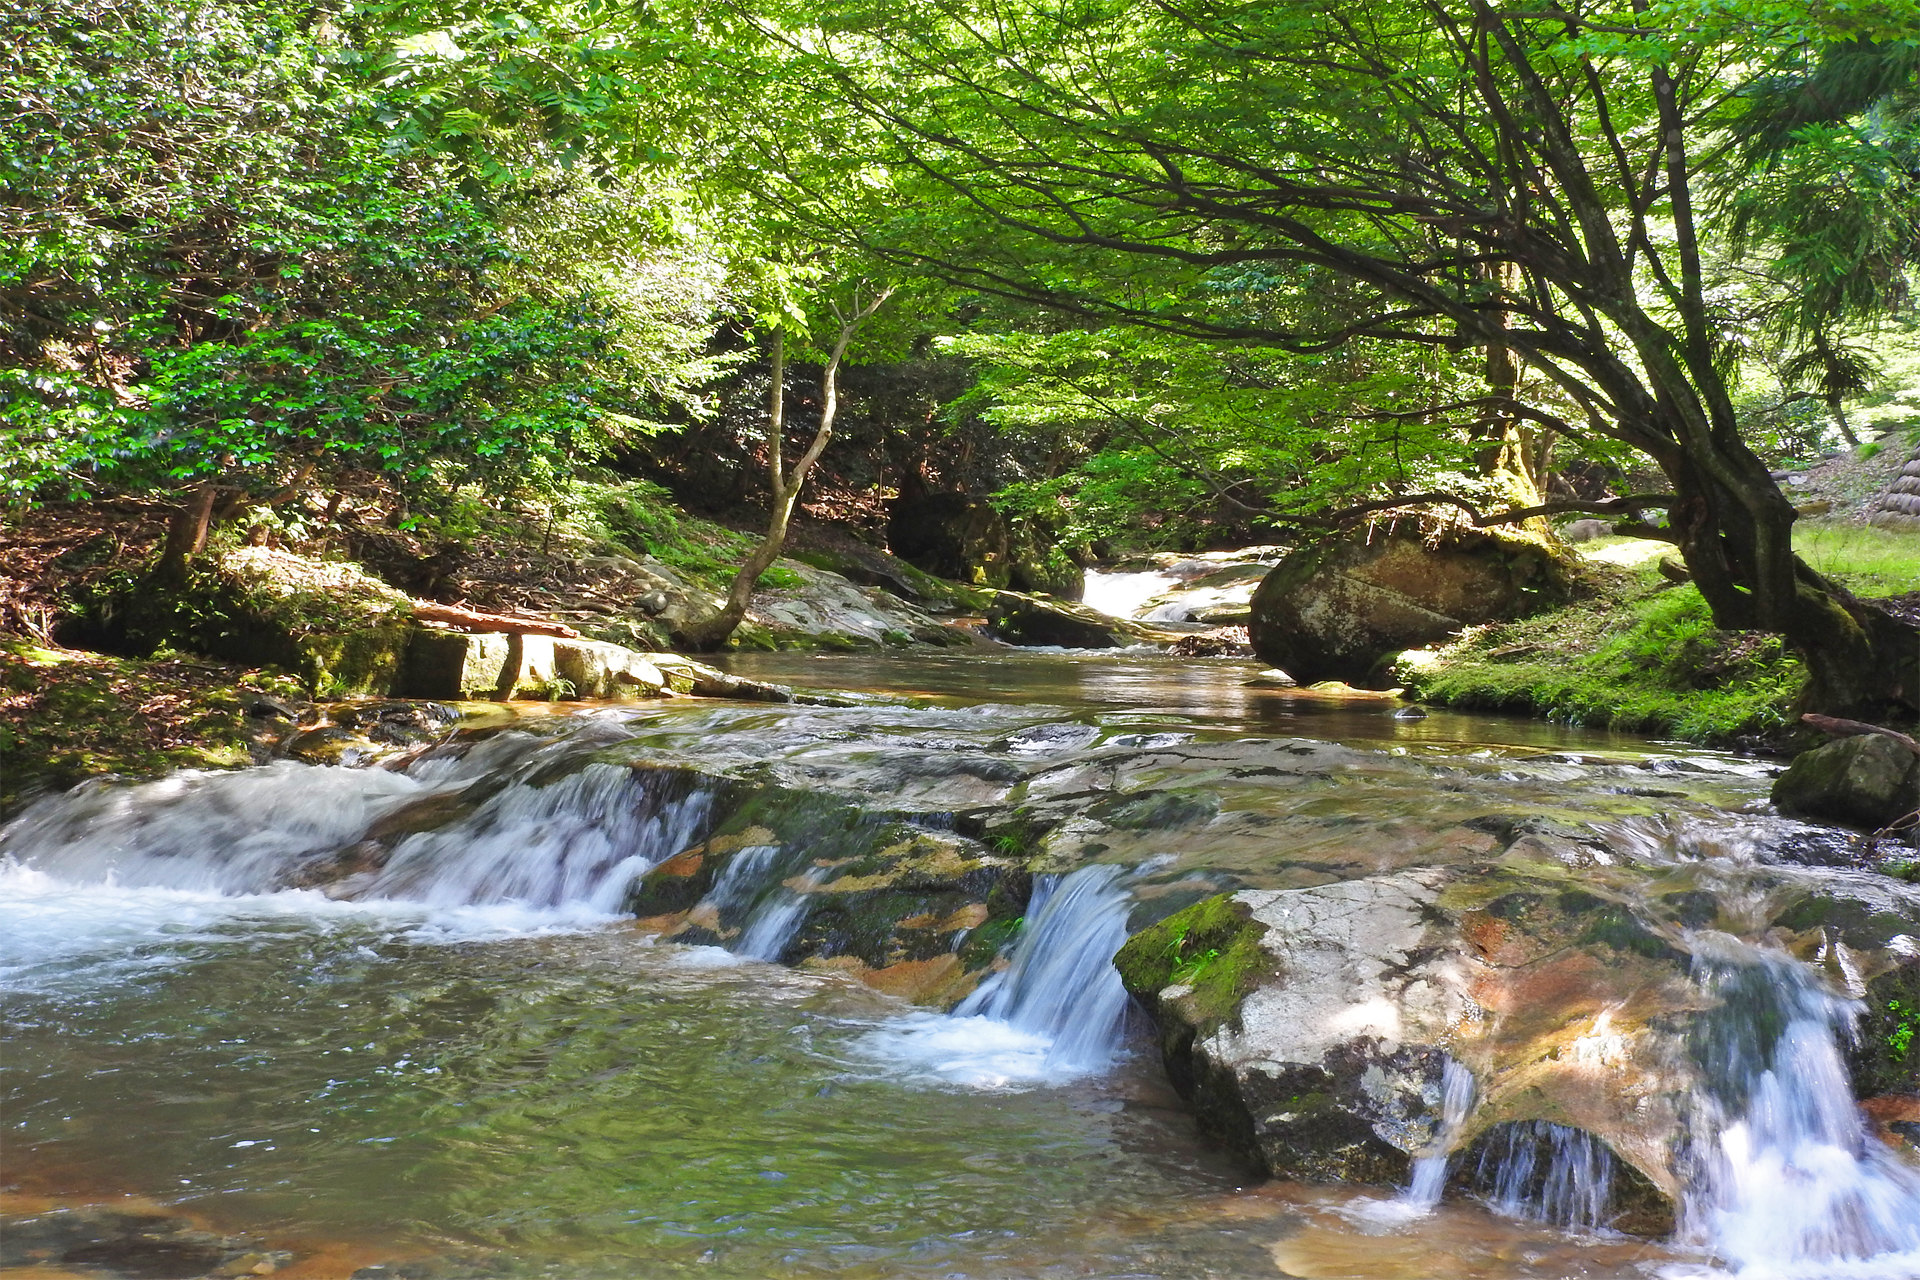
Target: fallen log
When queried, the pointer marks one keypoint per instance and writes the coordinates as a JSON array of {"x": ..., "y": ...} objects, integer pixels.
[
  {"x": 1857, "y": 728},
  {"x": 454, "y": 616}
]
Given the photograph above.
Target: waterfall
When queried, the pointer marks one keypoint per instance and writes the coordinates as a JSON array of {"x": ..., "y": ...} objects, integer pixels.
[
  {"x": 229, "y": 833},
  {"x": 1790, "y": 1177},
  {"x": 1123, "y": 595},
  {"x": 775, "y": 921},
  {"x": 580, "y": 841},
  {"x": 574, "y": 844},
  {"x": 1457, "y": 1092},
  {"x": 1062, "y": 984},
  {"x": 1057, "y": 1012},
  {"x": 1548, "y": 1172}
]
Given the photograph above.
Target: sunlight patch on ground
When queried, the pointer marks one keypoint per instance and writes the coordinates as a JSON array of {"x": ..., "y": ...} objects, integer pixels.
[{"x": 1625, "y": 552}]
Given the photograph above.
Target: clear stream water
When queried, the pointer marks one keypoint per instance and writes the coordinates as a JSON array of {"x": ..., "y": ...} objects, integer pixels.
[{"x": 471, "y": 1066}]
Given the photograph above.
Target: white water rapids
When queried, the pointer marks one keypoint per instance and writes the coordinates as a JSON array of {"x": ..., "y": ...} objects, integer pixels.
[{"x": 98, "y": 879}]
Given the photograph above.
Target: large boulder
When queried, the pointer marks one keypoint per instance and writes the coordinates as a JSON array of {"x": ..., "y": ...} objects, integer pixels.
[
  {"x": 1337, "y": 609},
  {"x": 1024, "y": 620},
  {"x": 1866, "y": 781},
  {"x": 1314, "y": 1028}
]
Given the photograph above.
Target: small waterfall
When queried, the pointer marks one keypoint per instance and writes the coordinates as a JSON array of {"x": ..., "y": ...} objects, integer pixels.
[
  {"x": 575, "y": 843},
  {"x": 1062, "y": 984},
  {"x": 242, "y": 832},
  {"x": 774, "y": 922},
  {"x": 580, "y": 841},
  {"x": 745, "y": 874},
  {"x": 1457, "y": 1093},
  {"x": 1124, "y": 595},
  {"x": 1548, "y": 1172},
  {"x": 1791, "y": 1178}
]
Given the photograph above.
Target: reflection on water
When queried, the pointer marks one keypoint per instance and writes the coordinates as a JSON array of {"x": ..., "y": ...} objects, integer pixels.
[
  {"x": 1209, "y": 692},
  {"x": 585, "y": 1100}
]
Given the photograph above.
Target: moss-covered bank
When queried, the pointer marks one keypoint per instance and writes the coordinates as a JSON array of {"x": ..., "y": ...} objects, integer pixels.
[
  {"x": 1636, "y": 652},
  {"x": 66, "y": 716}
]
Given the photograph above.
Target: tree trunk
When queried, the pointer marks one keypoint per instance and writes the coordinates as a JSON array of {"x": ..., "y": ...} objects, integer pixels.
[
  {"x": 710, "y": 633},
  {"x": 1508, "y": 455},
  {"x": 1735, "y": 528},
  {"x": 1836, "y": 409},
  {"x": 186, "y": 535}
]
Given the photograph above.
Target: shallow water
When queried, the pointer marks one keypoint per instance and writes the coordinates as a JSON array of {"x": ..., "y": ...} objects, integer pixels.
[
  {"x": 1208, "y": 693},
  {"x": 474, "y": 1070}
]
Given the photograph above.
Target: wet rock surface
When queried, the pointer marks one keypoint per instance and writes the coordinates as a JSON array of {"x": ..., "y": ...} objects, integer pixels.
[{"x": 1868, "y": 781}]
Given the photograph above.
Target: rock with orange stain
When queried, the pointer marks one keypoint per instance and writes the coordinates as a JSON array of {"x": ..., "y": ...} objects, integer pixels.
[{"x": 1560, "y": 1000}]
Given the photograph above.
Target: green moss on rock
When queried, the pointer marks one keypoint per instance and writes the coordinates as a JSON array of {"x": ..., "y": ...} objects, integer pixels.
[
  {"x": 1886, "y": 1056},
  {"x": 1212, "y": 948},
  {"x": 1635, "y": 652}
]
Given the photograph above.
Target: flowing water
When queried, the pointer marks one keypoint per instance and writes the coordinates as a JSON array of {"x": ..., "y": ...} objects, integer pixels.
[{"x": 462, "y": 1061}]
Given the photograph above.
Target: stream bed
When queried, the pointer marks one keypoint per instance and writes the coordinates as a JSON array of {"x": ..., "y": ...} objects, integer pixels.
[{"x": 470, "y": 1062}]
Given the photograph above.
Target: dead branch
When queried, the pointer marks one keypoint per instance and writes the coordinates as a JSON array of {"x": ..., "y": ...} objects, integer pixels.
[
  {"x": 454, "y": 616},
  {"x": 1855, "y": 728}
]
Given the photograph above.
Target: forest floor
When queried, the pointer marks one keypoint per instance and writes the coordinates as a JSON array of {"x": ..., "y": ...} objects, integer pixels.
[{"x": 68, "y": 715}]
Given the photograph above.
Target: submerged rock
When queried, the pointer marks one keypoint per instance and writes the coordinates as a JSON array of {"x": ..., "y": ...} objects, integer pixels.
[
  {"x": 1867, "y": 781},
  {"x": 1336, "y": 610},
  {"x": 803, "y": 878}
]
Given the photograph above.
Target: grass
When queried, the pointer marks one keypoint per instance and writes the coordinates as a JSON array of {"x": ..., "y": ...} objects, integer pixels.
[
  {"x": 1641, "y": 654},
  {"x": 1868, "y": 561}
]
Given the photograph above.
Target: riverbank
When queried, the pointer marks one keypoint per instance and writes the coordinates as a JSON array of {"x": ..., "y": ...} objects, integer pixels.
[
  {"x": 1638, "y": 651},
  {"x": 68, "y": 715}
]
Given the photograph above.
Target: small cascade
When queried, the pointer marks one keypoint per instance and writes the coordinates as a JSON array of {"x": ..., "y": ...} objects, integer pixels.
[
  {"x": 1547, "y": 1172},
  {"x": 501, "y": 833},
  {"x": 1124, "y": 595},
  {"x": 229, "y": 833},
  {"x": 1791, "y": 1181},
  {"x": 1062, "y": 984},
  {"x": 744, "y": 876},
  {"x": 775, "y": 921},
  {"x": 1457, "y": 1095},
  {"x": 578, "y": 842}
]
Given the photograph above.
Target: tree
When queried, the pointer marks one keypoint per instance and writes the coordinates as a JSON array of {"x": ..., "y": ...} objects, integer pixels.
[
  {"x": 784, "y": 484},
  {"x": 222, "y": 278},
  {"x": 1452, "y": 173}
]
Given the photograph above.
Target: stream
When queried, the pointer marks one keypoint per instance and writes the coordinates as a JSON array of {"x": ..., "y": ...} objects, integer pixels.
[{"x": 232, "y": 1049}]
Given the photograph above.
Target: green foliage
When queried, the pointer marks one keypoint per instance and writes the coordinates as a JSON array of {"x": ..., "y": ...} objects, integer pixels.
[
  {"x": 221, "y": 264},
  {"x": 1907, "y": 1021}
]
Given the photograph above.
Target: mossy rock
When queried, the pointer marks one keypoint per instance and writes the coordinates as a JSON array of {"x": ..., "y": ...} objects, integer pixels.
[
  {"x": 1886, "y": 1053},
  {"x": 334, "y": 627},
  {"x": 1867, "y": 781},
  {"x": 1211, "y": 949},
  {"x": 1337, "y": 610},
  {"x": 1158, "y": 810}
]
